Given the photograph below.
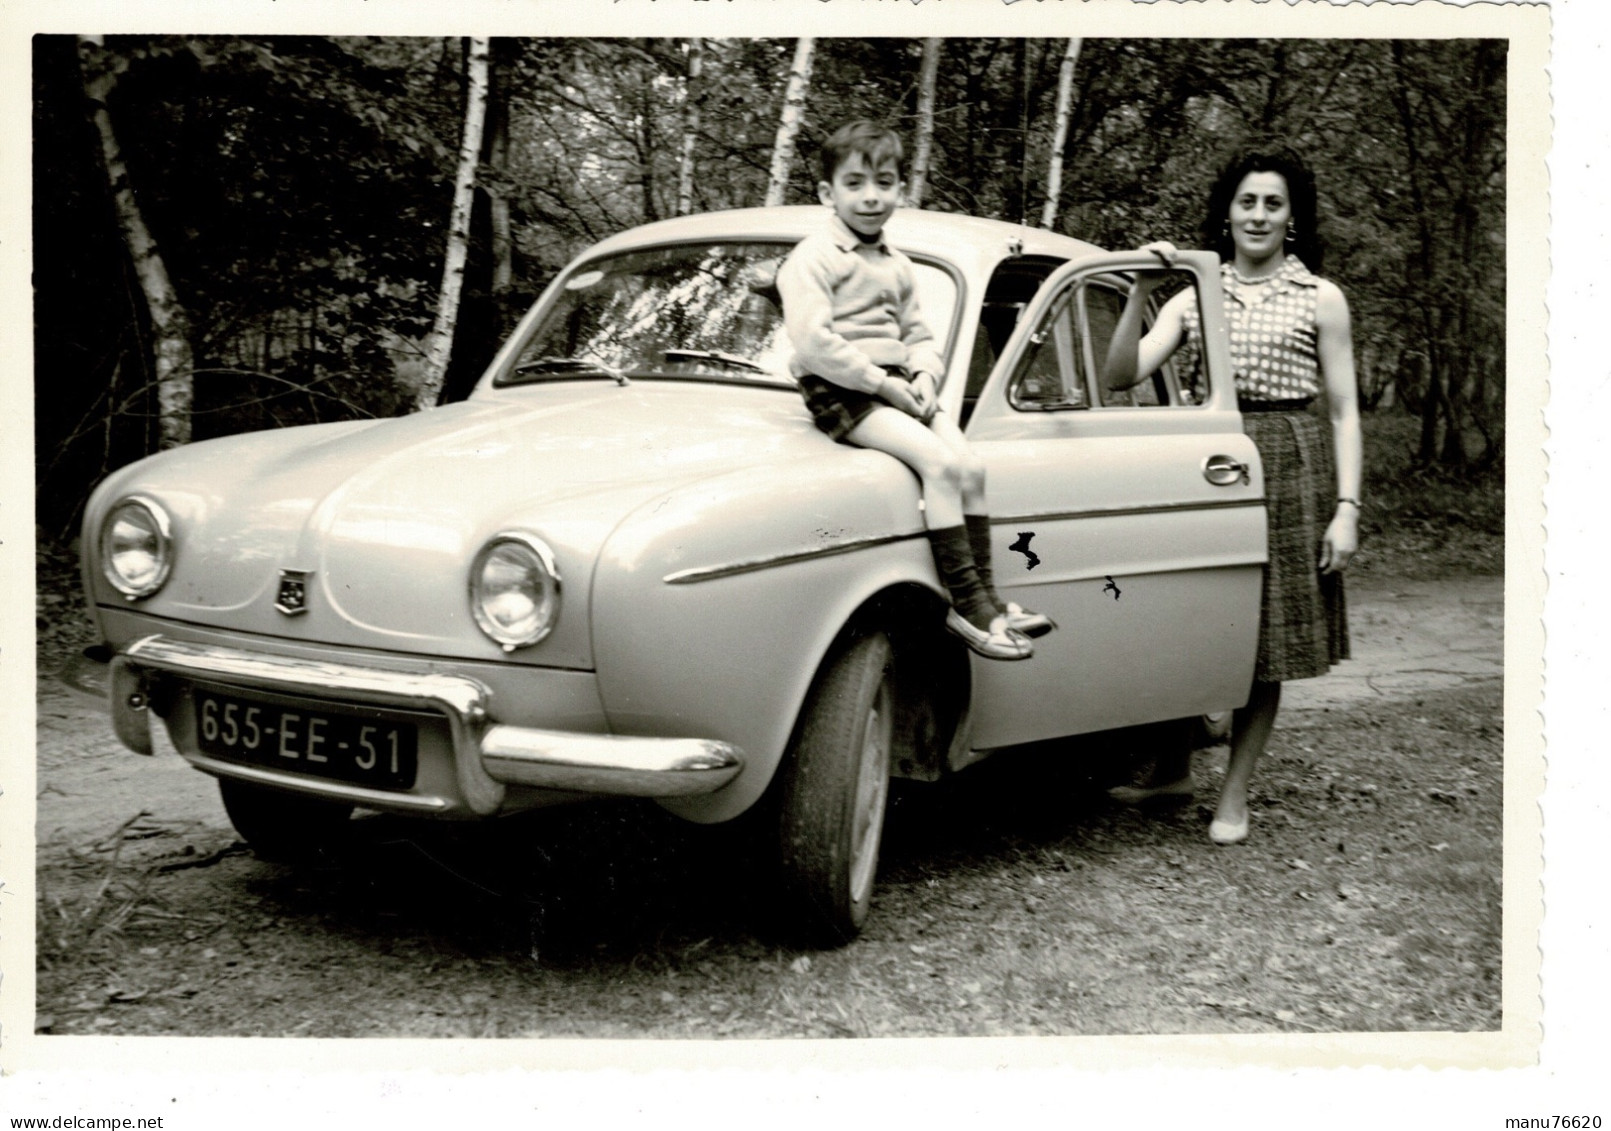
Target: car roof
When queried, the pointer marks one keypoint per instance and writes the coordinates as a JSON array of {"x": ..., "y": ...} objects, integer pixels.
[{"x": 946, "y": 235}]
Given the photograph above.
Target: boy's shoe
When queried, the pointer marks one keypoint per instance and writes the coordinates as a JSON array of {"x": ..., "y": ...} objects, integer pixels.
[
  {"x": 1032, "y": 625},
  {"x": 997, "y": 643}
]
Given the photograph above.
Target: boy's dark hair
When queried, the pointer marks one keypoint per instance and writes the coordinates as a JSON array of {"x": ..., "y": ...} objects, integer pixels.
[
  {"x": 874, "y": 142},
  {"x": 1306, "y": 243}
]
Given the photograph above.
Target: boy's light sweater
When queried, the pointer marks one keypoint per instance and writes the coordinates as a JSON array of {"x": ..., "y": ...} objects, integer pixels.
[{"x": 850, "y": 308}]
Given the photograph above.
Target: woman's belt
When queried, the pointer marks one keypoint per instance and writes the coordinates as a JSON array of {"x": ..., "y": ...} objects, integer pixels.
[{"x": 1299, "y": 405}]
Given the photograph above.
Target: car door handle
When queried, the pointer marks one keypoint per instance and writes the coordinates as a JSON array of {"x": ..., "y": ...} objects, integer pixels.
[{"x": 1223, "y": 471}]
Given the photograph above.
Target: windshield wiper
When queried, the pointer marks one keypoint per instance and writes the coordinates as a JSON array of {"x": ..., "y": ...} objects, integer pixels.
[
  {"x": 571, "y": 366},
  {"x": 728, "y": 359}
]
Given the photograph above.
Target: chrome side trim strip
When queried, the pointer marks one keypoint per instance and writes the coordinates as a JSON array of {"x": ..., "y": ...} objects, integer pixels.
[
  {"x": 1113, "y": 512},
  {"x": 606, "y": 763},
  {"x": 750, "y": 565}
]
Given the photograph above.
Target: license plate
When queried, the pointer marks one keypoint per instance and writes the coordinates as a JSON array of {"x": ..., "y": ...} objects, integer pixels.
[{"x": 370, "y": 750}]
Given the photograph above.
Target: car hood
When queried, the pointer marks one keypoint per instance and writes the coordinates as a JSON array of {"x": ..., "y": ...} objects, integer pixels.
[{"x": 386, "y": 516}]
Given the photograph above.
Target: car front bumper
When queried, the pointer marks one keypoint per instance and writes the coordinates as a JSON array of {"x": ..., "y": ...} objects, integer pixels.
[{"x": 486, "y": 756}]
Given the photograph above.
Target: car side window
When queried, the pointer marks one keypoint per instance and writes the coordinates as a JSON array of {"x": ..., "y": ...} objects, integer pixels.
[
  {"x": 1181, "y": 380},
  {"x": 1103, "y": 305},
  {"x": 1007, "y": 295},
  {"x": 1051, "y": 375},
  {"x": 1062, "y": 366}
]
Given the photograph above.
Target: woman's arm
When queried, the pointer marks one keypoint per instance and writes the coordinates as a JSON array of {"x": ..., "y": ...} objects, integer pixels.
[
  {"x": 1336, "y": 350},
  {"x": 1130, "y": 360}
]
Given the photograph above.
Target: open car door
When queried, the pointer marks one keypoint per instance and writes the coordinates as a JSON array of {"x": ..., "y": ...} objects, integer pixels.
[{"x": 1135, "y": 518}]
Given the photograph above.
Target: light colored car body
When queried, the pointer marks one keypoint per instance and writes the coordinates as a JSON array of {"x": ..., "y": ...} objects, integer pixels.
[{"x": 712, "y": 549}]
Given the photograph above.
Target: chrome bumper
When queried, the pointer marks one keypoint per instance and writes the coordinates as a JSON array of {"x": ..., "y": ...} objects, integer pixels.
[{"x": 486, "y": 756}]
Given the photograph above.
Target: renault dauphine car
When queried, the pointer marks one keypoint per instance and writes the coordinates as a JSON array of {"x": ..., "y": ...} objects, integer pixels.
[{"x": 627, "y": 565}]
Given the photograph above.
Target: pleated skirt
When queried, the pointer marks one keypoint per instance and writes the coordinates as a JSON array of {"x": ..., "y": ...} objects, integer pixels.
[{"x": 1303, "y": 624}]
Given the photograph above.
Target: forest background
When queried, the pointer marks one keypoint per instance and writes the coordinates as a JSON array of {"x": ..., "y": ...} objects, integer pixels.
[{"x": 238, "y": 233}]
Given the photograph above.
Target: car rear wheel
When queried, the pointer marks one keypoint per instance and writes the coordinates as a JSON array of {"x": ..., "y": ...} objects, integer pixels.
[
  {"x": 834, "y": 791},
  {"x": 284, "y": 827}
]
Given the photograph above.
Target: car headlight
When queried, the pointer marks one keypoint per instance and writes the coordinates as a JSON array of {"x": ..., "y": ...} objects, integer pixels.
[
  {"x": 514, "y": 590},
  {"x": 136, "y": 547}
]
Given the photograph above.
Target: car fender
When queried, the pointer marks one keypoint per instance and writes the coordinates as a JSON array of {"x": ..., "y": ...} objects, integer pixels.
[{"x": 714, "y": 606}]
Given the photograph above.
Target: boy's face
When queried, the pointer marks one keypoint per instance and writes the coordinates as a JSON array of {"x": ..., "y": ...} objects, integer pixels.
[{"x": 862, "y": 196}]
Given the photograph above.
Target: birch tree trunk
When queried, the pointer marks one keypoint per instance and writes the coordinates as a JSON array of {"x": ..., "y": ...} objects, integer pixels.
[
  {"x": 1065, "y": 106},
  {"x": 794, "y": 97},
  {"x": 458, "y": 236},
  {"x": 923, "y": 144},
  {"x": 503, "y": 242},
  {"x": 170, "y": 324},
  {"x": 693, "y": 94}
]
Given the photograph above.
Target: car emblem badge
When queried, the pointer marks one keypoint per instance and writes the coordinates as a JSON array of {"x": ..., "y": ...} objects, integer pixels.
[{"x": 293, "y": 594}]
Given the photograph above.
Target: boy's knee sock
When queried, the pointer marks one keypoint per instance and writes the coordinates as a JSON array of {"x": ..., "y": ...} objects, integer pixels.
[
  {"x": 953, "y": 558},
  {"x": 978, "y": 527}
]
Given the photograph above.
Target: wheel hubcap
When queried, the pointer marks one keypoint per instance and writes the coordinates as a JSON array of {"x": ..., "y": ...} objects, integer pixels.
[{"x": 872, "y": 790}]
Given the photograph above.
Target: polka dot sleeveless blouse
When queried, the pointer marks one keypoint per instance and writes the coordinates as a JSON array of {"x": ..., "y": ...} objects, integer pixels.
[{"x": 1273, "y": 333}]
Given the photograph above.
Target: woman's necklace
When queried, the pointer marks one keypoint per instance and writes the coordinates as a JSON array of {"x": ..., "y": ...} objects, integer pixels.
[{"x": 1250, "y": 282}]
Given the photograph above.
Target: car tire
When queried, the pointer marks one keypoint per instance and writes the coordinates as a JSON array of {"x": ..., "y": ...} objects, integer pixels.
[
  {"x": 284, "y": 827},
  {"x": 835, "y": 789}
]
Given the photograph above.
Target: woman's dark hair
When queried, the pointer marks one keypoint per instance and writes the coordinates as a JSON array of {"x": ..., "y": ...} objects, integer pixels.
[{"x": 1306, "y": 244}]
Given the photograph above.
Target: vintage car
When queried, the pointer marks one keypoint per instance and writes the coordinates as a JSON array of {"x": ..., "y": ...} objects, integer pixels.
[{"x": 629, "y": 566}]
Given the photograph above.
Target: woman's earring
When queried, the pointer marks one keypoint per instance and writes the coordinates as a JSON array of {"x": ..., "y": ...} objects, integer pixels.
[
  {"x": 1292, "y": 233},
  {"x": 1225, "y": 230}
]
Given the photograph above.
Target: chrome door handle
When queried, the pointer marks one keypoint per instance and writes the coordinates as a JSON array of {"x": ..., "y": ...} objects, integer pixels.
[{"x": 1223, "y": 471}]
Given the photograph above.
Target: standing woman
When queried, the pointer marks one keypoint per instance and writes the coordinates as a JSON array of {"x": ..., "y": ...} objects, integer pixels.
[{"x": 1290, "y": 345}]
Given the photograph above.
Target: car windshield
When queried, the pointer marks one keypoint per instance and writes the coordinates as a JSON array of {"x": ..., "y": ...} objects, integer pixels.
[{"x": 707, "y": 312}]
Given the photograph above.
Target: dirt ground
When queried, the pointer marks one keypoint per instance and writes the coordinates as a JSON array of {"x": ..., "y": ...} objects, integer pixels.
[{"x": 1015, "y": 899}]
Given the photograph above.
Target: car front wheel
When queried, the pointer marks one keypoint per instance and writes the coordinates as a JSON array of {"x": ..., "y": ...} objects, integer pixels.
[
  {"x": 834, "y": 790},
  {"x": 283, "y": 826}
]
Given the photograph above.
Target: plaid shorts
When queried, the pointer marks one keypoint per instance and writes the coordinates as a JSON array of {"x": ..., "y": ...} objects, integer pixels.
[{"x": 837, "y": 410}]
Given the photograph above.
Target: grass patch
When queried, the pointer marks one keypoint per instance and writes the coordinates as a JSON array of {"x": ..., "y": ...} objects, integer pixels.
[
  {"x": 1421, "y": 521},
  {"x": 61, "y": 618},
  {"x": 89, "y": 905}
]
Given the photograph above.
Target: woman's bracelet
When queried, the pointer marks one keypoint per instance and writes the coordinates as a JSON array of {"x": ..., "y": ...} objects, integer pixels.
[{"x": 1355, "y": 503}]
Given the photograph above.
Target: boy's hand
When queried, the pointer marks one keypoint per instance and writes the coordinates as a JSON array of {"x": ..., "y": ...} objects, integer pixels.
[
  {"x": 900, "y": 395},
  {"x": 927, "y": 390}
]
